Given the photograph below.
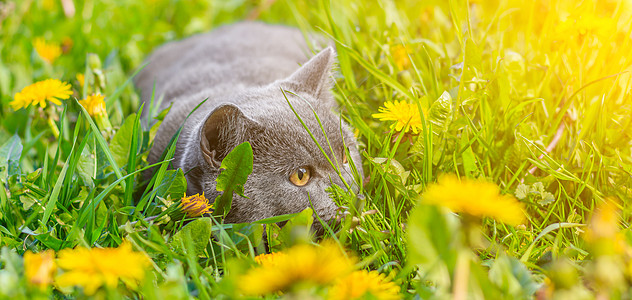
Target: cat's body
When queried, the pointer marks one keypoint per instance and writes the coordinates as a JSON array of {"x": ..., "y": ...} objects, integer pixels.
[{"x": 242, "y": 69}]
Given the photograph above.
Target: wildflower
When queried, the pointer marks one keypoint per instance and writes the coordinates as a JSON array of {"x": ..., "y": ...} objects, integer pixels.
[
  {"x": 400, "y": 57},
  {"x": 269, "y": 259},
  {"x": 38, "y": 93},
  {"x": 81, "y": 79},
  {"x": 96, "y": 267},
  {"x": 47, "y": 51},
  {"x": 94, "y": 104},
  {"x": 192, "y": 206},
  {"x": 607, "y": 245},
  {"x": 603, "y": 233},
  {"x": 405, "y": 115},
  {"x": 360, "y": 284},
  {"x": 39, "y": 267},
  {"x": 475, "y": 198},
  {"x": 299, "y": 265},
  {"x": 95, "y": 107},
  {"x": 580, "y": 26}
]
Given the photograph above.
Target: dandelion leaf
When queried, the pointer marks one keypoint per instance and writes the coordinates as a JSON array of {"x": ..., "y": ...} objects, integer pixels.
[
  {"x": 198, "y": 232},
  {"x": 50, "y": 241},
  {"x": 298, "y": 228},
  {"x": 86, "y": 167},
  {"x": 173, "y": 185},
  {"x": 433, "y": 240},
  {"x": 440, "y": 114},
  {"x": 473, "y": 55},
  {"x": 10, "y": 154},
  {"x": 236, "y": 167},
  {"x": 245, "y": 235},
  {"x": 469, "y": 159},
  {"x": 122, "y": 141},
  {"x": 512, "y": 278}
]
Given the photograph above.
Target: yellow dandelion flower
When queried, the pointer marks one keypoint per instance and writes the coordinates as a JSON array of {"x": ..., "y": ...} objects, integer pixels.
[
  {"x": 400, "y": 56},
  {"x": 97, "y": 267},
  {"x": 94, "y": 104},
  {"x": 603, "y": 234},
  {"x": 298, "y": 266},
  {"x": 269, "y": 259},
  {"x": 196, "y": 205},
  {"x": 38, "y": 93},
  {"x": 405, "y": 115},
  {"x": 583, "y": 25},
  {"x": 39, "y": 267},
  {"x": 476, "y": 198},
  {"x": 47, "y": 51},
  {"x": 191, "y": 207},
  {"x": 81, "y": 79},
  {"x": 360, "y": 284}
]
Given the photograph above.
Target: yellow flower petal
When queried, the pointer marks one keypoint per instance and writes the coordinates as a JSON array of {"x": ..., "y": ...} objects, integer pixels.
[
  {"x": 405, "y": 115},
  {"x": 97, "y": 267},
  {"x": 400, "y": 57},
  {"x": 297, "y": 266},
  {"x": 474, "y": 197},
  {"x": 38, "y": 93},
  {"x": 47, "y": 51},
  {"x": 94, "y": 104},
  {"x": 191, "y": 207},
  {"x": 39, "y": 267},
  {"x": 360, "y": 284}
]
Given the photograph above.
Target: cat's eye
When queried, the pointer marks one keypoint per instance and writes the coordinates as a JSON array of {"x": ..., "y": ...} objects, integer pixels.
[{"x": 300, "y": 177}]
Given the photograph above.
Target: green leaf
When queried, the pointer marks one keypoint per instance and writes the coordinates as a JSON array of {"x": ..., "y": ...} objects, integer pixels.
[
  {"x": 522, "y": 191},
  {"x": 87, "y": 167},
  {"x": 50, "y": 241},
  {"x": 434, "y": 239},
  {"x": 473, "y": 55},
  {"x": 246, "y": 235},
  {"x": 120, "y": 144},
  {"x": 513, "y": 278},
  {"x": 297, "y": 229},
  {"x": 235, "y": 170},
  {"x": 10, "y": 154},
  {"x": 101, "y": 142},
  {"x": 174, "y": 184},
  {"x": 440, "y": 114},
  {"x": 199, "y": 231},
  {"x": 52, "y": 199},
  {"x": 469, "y": 159}
]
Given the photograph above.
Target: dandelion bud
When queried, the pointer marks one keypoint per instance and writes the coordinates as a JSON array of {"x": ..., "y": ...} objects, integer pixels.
[
  {"x": 95, "y": 106},
  {"x": 93, "y": 61}
]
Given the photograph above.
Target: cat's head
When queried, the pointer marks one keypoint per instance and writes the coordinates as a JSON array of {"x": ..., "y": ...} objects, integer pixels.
[{"x": 289, "y": 169}]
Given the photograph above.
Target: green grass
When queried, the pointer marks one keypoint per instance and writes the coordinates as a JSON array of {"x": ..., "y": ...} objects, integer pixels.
[{"x": 525, "y": 95}]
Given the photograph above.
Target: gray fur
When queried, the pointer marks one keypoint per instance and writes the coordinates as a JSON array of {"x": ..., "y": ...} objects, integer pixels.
[{"x": 242, "y": 69}]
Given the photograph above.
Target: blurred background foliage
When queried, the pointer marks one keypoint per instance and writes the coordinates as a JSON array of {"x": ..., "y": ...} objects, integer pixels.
[{"x": 533, "y": 96}]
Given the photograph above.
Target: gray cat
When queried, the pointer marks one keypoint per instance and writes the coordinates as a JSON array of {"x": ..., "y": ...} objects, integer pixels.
[{"x": 242, "y": 70}]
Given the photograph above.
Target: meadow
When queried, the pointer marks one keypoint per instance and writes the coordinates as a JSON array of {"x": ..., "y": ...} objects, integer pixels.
[{"x": 495, "y": 137}]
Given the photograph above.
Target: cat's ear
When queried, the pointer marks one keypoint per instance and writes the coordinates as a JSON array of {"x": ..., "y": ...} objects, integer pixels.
[
  {"x": 223, "y": 127},
  {"x": 313, "y": 76}
]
